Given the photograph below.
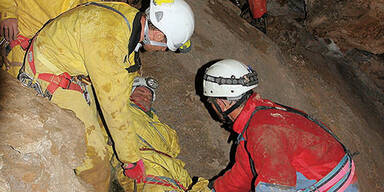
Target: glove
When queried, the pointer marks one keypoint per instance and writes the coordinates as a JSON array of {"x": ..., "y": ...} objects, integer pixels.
[
  {"x": 201, "y": 186},
  {"x": 135, "y": 171}
]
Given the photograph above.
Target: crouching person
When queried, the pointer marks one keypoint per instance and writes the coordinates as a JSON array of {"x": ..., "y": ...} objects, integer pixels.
[
  {"x": 158, "y": 169},
  {"x": 279, "y": 148}
]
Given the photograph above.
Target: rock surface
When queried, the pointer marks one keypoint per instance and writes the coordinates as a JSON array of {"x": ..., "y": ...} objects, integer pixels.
[
  {"x": 40, "y": 143},
  {"x": 351, "y": 24}
]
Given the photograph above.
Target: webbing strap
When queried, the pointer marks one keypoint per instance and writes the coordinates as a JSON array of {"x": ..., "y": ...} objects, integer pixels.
[
  {"x": 319, "y": 123},
  {"x": 110, "y": 8},
  {"x": 22, "y": 41},
  {"x": 241, "y": 138},
  {"x": 164, "y": 181},
  {"x": 63, "y": 80},
  {"x": 336, "y": 170},
  {"x": 346, "y": 180},
  {"x": 150, "y": 147},
  {"x": 137, "y": 65}
]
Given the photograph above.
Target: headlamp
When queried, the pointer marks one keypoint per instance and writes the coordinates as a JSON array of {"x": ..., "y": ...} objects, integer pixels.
[
  {"x": 246, "y": 80},
  {"x": 149, "y": 82}
]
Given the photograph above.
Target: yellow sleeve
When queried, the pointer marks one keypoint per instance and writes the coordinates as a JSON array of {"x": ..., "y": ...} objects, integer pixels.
[
  {"x": 112, "y": 84},
  {"x": 104, "y": 48},
  {"x": 200, "y": 186},
  {"x": 7, "y": 9}
]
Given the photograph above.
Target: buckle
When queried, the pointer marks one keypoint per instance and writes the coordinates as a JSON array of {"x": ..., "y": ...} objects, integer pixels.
[{"x": 64, "y": 80}]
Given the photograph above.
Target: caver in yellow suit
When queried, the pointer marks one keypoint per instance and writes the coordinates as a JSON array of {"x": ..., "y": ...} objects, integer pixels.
[
  {"x": 95, "y": 40},
  {"x": 158, "y": 145},
  {"x": 31, "y": 15}
]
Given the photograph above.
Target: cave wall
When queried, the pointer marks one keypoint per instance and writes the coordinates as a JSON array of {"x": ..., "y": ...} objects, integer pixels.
[
  {"x": 351, "y": 24},
  {"x": 40, "y": 143}
]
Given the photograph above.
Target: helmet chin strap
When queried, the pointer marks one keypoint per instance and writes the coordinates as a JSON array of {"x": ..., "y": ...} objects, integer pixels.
[
  {"x": 232, "y": 108},
  {"x": 226, "y": 119},
  {"x": 147, "y": 40}
]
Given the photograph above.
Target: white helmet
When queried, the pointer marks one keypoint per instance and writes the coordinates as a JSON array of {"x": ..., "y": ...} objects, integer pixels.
[
  {"x": 147, "y": 82},
  {"x": 229, "y": 78},
  {"x": 175, "y": 19}
]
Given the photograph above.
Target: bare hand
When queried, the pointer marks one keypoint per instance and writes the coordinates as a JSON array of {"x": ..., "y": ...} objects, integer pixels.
[
  {"x": 142, "y": 97},
  {"x": 9, "y": 29}
]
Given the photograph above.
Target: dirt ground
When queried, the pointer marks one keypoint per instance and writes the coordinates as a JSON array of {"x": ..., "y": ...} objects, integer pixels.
[{"x": 292, "y": 70}]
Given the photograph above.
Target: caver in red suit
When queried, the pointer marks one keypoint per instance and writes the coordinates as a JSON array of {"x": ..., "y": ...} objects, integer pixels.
[
  {"x": 279, "y": 148},
  {"x": 284, "y": 147}
]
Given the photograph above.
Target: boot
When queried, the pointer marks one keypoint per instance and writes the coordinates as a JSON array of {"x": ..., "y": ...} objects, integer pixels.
[{"x": 260, "y": 23}]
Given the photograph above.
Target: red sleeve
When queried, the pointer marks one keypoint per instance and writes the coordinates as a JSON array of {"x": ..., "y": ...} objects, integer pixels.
[
  {"x": 269, "y": 148},
  {"x": 239, "y": 177}
]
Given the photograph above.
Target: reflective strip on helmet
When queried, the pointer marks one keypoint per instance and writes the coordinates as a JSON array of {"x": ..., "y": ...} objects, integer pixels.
[{"x": 247, "y": 80}]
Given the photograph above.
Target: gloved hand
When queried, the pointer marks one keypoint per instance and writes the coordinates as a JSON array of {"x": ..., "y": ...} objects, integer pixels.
[
  {"x": 135, "y": 171},
  {"x": 202, "y": 185}
]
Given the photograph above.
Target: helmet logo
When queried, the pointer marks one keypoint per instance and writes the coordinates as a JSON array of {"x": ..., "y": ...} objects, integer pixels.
[
  {"x": 159, "y": 2},
  {"x": 159, "y": 16}
]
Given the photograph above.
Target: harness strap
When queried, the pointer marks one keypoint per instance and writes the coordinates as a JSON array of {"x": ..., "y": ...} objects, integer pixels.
[
  {"x": 137, "y": 64},
  {"x": 63, "y": 80},
  {"x": 164, "y": 181},
  {"x": 22, "y": 41},
  {"x": 336, "y": 180},
  {"x": 112, "y": 9}
]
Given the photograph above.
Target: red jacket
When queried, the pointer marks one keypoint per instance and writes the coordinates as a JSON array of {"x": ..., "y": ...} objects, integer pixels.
[{"x": 280, "y": 144}]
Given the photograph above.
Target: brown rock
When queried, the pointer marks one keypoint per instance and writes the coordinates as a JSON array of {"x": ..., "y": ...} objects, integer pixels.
[
  {"x": 40, "y": 143},
  {"x": 351, "y": 24}
]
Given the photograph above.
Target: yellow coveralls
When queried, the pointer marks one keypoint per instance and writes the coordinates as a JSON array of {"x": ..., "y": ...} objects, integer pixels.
[
  {"x": 159, "y": 146},
  {"x": 31, "y": 15},
  {"x": 93, "y": 40}
]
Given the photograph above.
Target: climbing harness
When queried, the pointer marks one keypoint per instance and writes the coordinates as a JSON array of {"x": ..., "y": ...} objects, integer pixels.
[
  {"x": 65, "y": 81},
  {"x": 338, "y": 178}
]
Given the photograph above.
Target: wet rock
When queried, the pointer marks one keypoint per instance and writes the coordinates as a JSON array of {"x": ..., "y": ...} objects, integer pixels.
[
  {"x": 40, "y": 143},
  {"x": 351, "y": 24},
  {"x": 365, "y": 71}
]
